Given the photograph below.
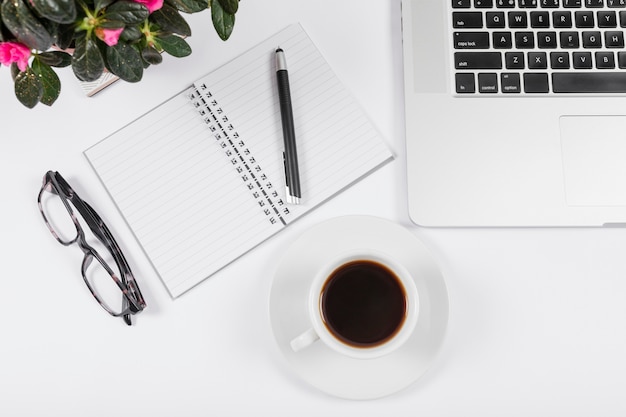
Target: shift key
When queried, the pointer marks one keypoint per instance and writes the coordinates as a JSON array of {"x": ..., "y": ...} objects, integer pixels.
[{"x": 477, "y": 60}]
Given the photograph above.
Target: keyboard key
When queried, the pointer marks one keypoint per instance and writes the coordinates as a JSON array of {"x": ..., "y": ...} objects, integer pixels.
[
  {"x": 605, "y": 60},
  {"x": 540, "y": 20},
  {"x": 614, "y": 39},
  {"x": 461, "y": 4},
  {"x": 537, "y": 60},
  {"x": 594, "y": 3},
  {"x": 621, "y": 60},
  {"x": 607, "y": 19},
  {"x": 569, "y": 40},
  {"x": 592, "y": 39},
  {"x": 536, "y": 82},
  {"x": 582, "y": 60},
  {"x": 518, "y": 20},
  {"x": 549, "y": 4},
  {"x": 465, "y": 83},
  {"x": 510, "y": 82},
  {"x": 471, "y": 40},
  {"x": 562, "y": 20},
  {"x": 616, "y": 3},
  {"x": 502, "y": 40},
  {"x": 495, "y": 20},
  {"x": 483, "y": 4},
  {"x": 505, "y": 4},
  {"x": 584, "y": 19},
  {"x": 488, "y": 82},
  {"x": 589, "y": 82},
  {"x": 524, "y": 40},
  {"x": 477, "y": 60},
  {"x": 572, "y": 4},
  {"x": 622, "y": 19},
  {"x": 528, "y": 4},
  {"x": 559, "y": 60},
  {"x": 467, "y": 20},
  {"x": 515, "y": 60},
  {"x": 546, "y": 40}
]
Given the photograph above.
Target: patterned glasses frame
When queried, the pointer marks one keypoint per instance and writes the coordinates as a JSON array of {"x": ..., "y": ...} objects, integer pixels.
[{"x": 132, "y": 300}]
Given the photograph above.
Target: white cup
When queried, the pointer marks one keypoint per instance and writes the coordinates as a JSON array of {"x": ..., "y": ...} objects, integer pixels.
[{"x": 321, "y": 330}]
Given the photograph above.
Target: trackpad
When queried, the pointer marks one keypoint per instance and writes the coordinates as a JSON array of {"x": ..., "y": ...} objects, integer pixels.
[{"x": 594, "y": 160}]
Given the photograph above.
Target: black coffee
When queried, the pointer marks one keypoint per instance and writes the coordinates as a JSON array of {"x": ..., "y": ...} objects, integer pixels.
[{"x": 363, "y": 303}]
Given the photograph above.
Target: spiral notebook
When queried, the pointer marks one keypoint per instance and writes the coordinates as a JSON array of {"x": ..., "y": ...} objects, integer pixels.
[{"x": 200, "y": 178}]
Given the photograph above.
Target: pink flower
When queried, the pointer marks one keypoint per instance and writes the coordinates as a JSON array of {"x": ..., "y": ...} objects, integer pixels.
[
  {"x": 109, "y": 36},
  {"x": 14, "y": 52},
  {"x": 152, "y": 5}
]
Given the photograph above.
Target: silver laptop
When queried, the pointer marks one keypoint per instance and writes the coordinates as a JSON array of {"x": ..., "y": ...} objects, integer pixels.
[{"x": 515, "y": 112}]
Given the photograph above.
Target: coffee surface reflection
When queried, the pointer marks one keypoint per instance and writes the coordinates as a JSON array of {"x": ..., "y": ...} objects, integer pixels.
[{"x": 363, "y": 303}]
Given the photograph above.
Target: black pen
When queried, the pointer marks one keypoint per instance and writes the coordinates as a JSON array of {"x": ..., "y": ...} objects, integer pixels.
[{"x": 290, "y": 156}]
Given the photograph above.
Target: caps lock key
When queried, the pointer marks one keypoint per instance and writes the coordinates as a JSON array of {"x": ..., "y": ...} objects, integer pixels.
[{"x": 471, "y": 40}]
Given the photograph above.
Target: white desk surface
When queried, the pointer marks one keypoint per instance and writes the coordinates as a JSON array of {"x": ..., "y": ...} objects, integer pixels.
[{"x": 537, "y": 318}]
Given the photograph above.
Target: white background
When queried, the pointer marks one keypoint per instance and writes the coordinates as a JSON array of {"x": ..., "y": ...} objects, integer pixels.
[{"x": 537, "y": 321}]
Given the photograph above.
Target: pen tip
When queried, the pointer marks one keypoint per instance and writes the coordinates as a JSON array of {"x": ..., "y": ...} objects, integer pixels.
[{"x": 279, "y": 49}]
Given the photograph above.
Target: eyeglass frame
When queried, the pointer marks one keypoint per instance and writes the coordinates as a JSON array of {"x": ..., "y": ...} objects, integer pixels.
[{"x": 132, "y": 301}]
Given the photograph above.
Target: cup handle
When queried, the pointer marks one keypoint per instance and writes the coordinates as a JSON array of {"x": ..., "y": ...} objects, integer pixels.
[{"x": 304, "y": 340}]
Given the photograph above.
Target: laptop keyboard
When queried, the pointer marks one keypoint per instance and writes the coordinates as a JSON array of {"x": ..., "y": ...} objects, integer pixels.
[{"x": 523, "y": 47}]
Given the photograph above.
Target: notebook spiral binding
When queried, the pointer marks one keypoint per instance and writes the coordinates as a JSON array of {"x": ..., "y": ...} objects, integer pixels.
[{"x": 242, "y": 160}]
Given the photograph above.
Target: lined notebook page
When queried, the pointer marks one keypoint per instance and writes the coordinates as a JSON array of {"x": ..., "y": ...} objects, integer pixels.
[{"x": 200, "y": 179}]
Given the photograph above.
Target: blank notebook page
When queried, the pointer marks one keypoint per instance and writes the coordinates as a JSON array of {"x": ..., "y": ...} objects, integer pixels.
[{"x": 200, "y": 179}]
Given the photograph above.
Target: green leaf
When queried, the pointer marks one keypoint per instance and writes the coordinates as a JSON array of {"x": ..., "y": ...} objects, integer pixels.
[
  {"x": 170, "y": 20},
  {"x": 111, "y": 24},
  {"x": 15, "y": 71},
  {"x": 129, "y": 12},
  {"x": 57, "y": 59},
  {"x": 174, "y": 45},
  {"x": 65, "y": 36},
  {"x": 1, "y": 27},
  {"x": 189, "y": 6},
  {"x": 151, "y": 55},
  {"x": 87, "y": 61},
  {"x": 49, "y": 81},
  {"x": 60, "y": 11},
  {"x": 28, "y": 88},
  {"x": 130, "y": 33},
  {"x": 51, "y": 27},
  {"x": 18, "y": 18},
  {"x": 223, "y": 22},
  {"x": 230, "y": 6},
  {"x": 125, "y": 62},
  {"x": 101, "y": 4}
]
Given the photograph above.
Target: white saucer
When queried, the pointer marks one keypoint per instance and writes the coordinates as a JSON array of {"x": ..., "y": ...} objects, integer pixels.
[{"x": 326, "y": 369}]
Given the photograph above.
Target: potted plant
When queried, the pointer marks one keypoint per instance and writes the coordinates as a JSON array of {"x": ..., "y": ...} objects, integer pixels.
[{"x": 123, "y": 37}]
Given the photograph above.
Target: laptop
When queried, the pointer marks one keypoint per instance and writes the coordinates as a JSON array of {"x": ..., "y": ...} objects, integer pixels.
[{"x": 515, "y": 112}]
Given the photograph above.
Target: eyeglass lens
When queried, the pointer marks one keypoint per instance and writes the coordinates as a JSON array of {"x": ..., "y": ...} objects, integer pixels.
[
  {"x": 101, "y": 273},
  {"x": 58, "y": 218}
]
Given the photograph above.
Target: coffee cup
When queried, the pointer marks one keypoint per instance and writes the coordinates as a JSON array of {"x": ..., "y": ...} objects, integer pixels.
[{"x": 363, "y": 304}]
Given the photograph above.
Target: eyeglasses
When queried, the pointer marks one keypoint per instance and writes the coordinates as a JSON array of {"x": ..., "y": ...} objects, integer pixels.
[{"x": 109, "y": 279}]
